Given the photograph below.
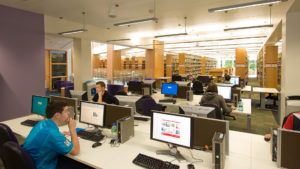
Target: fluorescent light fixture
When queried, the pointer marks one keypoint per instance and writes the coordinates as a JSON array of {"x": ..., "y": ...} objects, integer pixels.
[
  {"x": 136, "y": 21},
  {"x": 73, "y": 31},
  {"x": 118, "y": 40},
  {"x": 249, "y": 27},
  {"x": 167, "y": 35},
  {"x": 245, "y": 5}
]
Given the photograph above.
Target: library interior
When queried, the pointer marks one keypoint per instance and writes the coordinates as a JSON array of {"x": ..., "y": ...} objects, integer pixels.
[{"x": 150, "y": 84}]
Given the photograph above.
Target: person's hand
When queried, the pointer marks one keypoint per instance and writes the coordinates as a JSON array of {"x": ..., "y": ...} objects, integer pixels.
[
  {"x": 72, "y": 124},
  {"x": 233, "y": 107},
  {"x": 101, "y": 93}
]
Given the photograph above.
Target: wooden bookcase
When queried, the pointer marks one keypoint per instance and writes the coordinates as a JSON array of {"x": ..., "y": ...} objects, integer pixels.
[
  {"x": 56, "y": 67},
  {"x": 241, "y": 63}
]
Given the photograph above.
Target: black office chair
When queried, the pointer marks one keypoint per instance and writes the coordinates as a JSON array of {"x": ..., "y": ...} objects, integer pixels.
[
  {"x": 197, "y": 87},
  {"x": 121, "y": 92},
  {"x": 218, "y": 112},
  {"x": 6, "y": 134},
  {"x": 146, "y": 104},
  {"x": 275, "y": 99},
  {"x": 16, "y": 157}
]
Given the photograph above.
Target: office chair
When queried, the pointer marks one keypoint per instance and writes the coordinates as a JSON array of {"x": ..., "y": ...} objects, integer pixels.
[
  {"x": 122, "y": 92},
  {"x": 114, "y": 88},
  {"x": 275, "y": 99},
  {"x": 218, "y": 112},
  {"x": 16, "y": 157},
  {"x": 6, "y": 134},
  {"x": 197, "y": 87},
  {"x": 146, "y": 104}
]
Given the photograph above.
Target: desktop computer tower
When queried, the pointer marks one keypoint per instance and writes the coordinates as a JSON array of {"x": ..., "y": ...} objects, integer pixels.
[
  {"x": 125, "y": 128},
  {"x": 189, "y": 95},
  {"x": 218, "y": 148}
]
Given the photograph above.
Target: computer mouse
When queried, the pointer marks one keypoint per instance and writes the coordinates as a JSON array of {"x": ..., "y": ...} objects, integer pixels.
[
  {"x": 96, "y": 144},
  {"x": 191, "y": 166}
]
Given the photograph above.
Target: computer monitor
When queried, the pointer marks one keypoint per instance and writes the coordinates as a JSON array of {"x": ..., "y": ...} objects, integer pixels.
[
  {"x": 296, "y": 121},
  {"x": 39, "y": 105},
  {"x": 92, "y": 113},
  {"x": 169, "y": 89},
  {"x": 173, "y": 129},
  {"x": 114, "y": 113},
  {"x": 205, "y": 79},
  {"x": 70, "y": 102},
  {"x": 91, "y": 90},
  {"x": 235, "y": 80},
  {"x": 225, "y": 91},
  {"x": 79, "y": 95},
  {"x": 135, "y": 86}
]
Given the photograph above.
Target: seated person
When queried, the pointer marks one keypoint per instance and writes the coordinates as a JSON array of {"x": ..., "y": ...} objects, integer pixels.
[
  {"x": 211, "y": 97},
  {"x": 227, "y": 77},
  {"x": 286, "y": 124},
  {"x": 102, "y": 96},
  {"x": 45, "y": 143}
]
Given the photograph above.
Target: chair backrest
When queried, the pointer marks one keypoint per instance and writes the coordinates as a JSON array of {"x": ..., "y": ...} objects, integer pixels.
[
  {"x": 149, "y": 79},
  {"x": 121, "y": 92},
  {"x": 197, "y": 87},
  {"x": 6, "y": 134},
  {"x": 176, "y": 78},
  {"x": 16, "y": 157},
  {"x": 218, "y": 112},
  {"x": 114, "y": 88},
  {"x": 148, "y": 105}
]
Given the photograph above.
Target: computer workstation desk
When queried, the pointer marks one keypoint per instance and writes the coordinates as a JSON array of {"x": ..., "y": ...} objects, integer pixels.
[
  {"x": 196, "y": 99},
  {"x": 247, "y": 151},
  {"x": 262, "y": 92}
]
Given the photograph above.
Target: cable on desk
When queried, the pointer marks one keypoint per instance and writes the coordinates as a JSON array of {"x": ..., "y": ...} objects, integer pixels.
[{"x": 197, "y": 159}]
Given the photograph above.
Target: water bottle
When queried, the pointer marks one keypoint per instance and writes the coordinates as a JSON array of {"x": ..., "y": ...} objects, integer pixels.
[
  {"x": 240, "y": 108},
  {"x": 114, "y": 131}
]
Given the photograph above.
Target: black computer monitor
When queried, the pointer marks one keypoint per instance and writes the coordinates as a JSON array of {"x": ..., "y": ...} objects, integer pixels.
[
  {"x": 39, "y": 105},
  {"x": 225, "y": 91},
  {"x": 70, "y": 102},
  {"x": 135, "y": 86},
  {"x": 114, "y": 113},
  {"x": 173, "y": 129},
  {"x": 204, "y": 79},
  {"x": 235, "y": 80},
  {"x": 296, "y": 121},
  {"x": 169, "y": 89},
  {"x": 92, "y": 113}
]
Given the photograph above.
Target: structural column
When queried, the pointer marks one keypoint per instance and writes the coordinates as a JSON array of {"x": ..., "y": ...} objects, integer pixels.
[
  {"x": 113, "y": 62},
  {"x": 241, "y": 63},
  {"x": 155, "y": 60},
  {"x": 82, "y": 62}
]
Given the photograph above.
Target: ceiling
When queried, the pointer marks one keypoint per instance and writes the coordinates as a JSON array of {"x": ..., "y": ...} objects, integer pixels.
[{"x": 200, "y": 24}]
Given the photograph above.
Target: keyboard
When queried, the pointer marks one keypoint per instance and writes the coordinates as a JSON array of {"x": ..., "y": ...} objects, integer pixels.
[
  {"x": 29, "y": 123},
  {"x": 167, "y": 101},
  {"x": 90, "y": 135},
  {"x": 153, "y": 163},
  {"x": 141, "y": 118}
]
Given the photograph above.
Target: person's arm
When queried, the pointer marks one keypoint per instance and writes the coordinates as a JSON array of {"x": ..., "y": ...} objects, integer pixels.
[
  {"x": 224, "y": 106},
  {"x": 100, "y": 98},
  {"x": 74, "y": 138},
  {"x": 115, "y": 100}
]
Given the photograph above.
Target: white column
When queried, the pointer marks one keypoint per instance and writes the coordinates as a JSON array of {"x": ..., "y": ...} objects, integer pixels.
[
  {"x": 290, "y": 55},
  {"x": 82, "y": 62}
]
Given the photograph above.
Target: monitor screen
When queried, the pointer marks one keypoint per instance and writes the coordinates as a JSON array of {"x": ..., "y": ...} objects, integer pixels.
[
  {"x": 92, "y": 113},
  {"x": 234, "y": 80},
  {"x": 171, "y": 128},
  {"x": 169, "y": 88},
  {"x": 224, "y": 91},
  {"x": 39, "y": 105}
]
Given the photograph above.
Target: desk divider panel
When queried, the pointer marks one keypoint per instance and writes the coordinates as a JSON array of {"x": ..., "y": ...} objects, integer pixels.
[
  {"x": 114, "y": 113},
  {"x": 181, "y": 93},
  {"x": 204, "y": 130},
  {"x": 289, "y": 148}
]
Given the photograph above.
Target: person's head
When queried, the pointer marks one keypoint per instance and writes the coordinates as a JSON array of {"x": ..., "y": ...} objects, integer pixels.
[
  {"x": 100, "y": 86},
  {"x": 212, "y": 87},
  {"x": 227, "y": 77},
  {"x": 58, "y": 111}
]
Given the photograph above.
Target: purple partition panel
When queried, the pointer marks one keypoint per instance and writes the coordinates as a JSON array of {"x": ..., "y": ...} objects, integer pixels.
[{"x": 22, "y": 61}]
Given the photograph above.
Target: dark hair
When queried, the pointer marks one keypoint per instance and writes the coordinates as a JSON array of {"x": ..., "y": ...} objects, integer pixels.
[
  {"x": 212, "y": 87},
  {"x": 54, "y": 107},
  {"x": 102, "y": 84},
  {"x": 227, "y": 77}
]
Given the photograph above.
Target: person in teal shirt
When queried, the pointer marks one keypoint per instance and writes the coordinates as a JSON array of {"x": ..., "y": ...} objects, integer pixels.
[{"x": 45, "y": 143}]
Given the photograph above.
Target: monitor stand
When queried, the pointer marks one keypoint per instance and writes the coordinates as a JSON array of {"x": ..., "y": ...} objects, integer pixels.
[
  {"x": 96, "y": 130},
  {"x": 173, "y": 151}
]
